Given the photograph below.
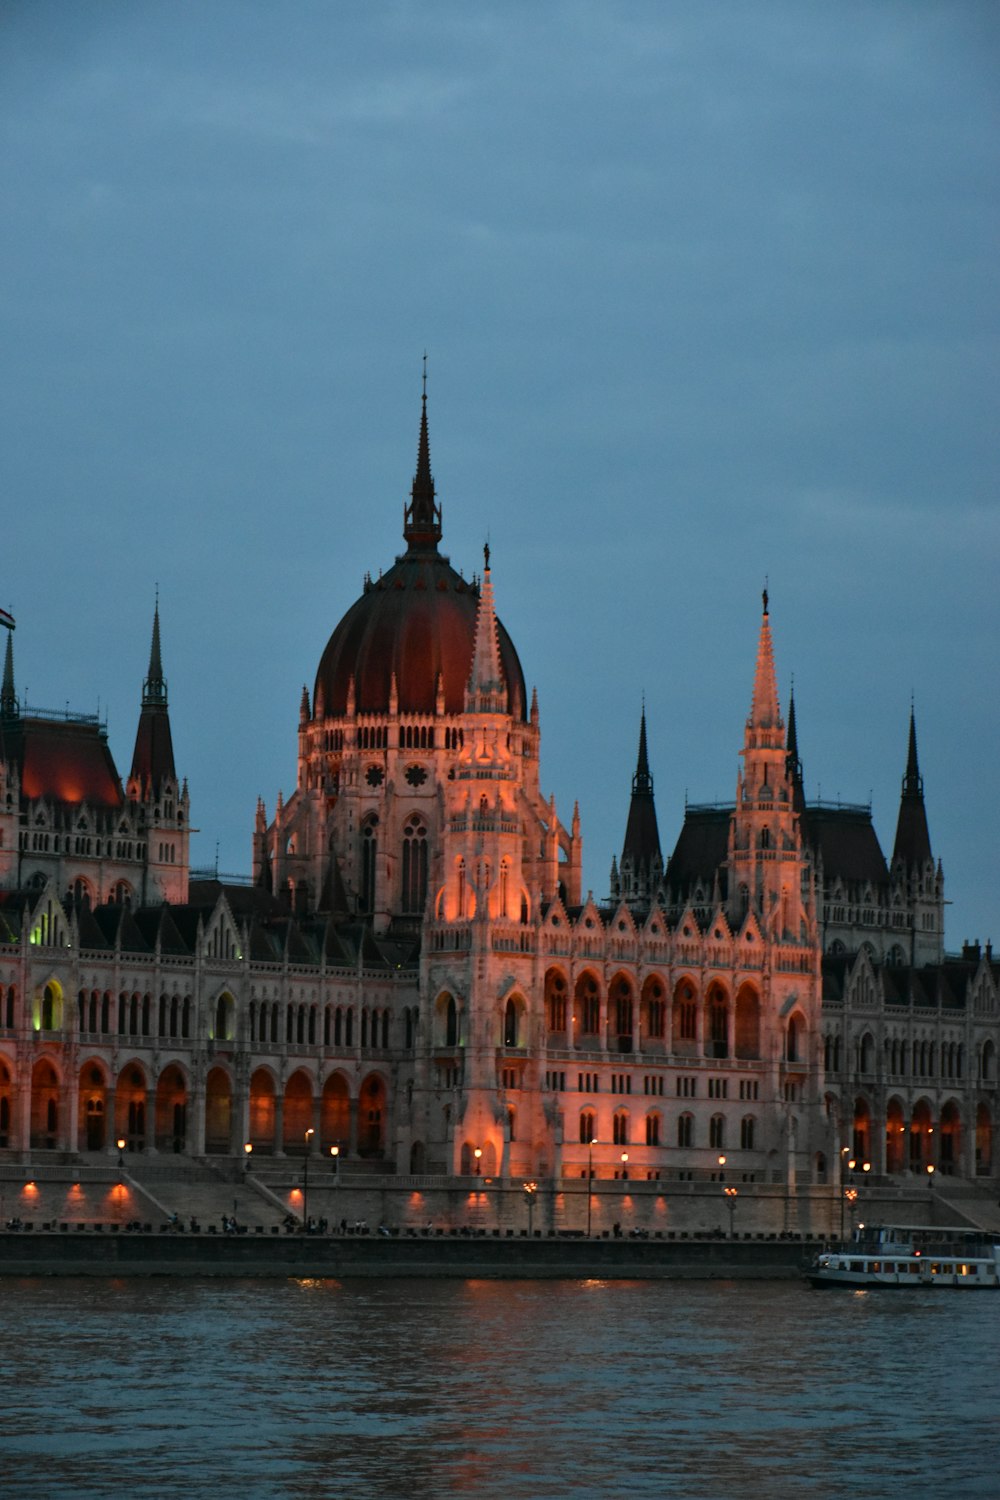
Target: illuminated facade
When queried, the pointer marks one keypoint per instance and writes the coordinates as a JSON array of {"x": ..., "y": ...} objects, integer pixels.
[{"x": 414, "y": 975}]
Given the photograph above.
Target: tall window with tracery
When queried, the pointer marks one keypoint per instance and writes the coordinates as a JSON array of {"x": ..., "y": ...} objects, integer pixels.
[
  {"x": 414, "y": 865},
  {"x": 369, "y": 854}
]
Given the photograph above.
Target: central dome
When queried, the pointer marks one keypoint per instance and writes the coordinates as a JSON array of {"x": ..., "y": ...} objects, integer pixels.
[{"x": 417, "y": 622}]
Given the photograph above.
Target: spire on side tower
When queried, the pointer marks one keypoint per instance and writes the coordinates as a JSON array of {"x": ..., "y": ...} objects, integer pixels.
[
  {"x": 422, "y": 517},
  {"x": 8, "y": 697},
  {"x": 793, "y": 765},
  {"x": 487, "y": 690},
  {"x": 913, "y": 840},
  {"x": 153, "y": 756},
  {"x": 642, "y": 861},
  {"x": 765, "y": 711}
]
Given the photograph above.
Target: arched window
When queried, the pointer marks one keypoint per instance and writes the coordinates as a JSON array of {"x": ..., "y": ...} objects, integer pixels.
[
  {"x": 747, "y": 1133},
  {"x": 369, "y": 855},
  {"x": 793, "y": 1041},
  {"x": 414, "y": 865},
  {"x": 451, "y": 1023},
  {"x": 717, "y": 1132},
  {"x": 555, "y": 1001},
  {"x": 510, "y": 1024},
  {"x": 685, "y": 1131},
  {"x": 587, "y": 1126},
  {"x": 619, "y": 1128},
  {"x": 718, "y": 1024},
  {"x": 653, "y": 1130}
]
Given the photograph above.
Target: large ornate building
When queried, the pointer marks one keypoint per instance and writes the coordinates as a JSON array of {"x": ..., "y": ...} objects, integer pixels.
[{"x": 414, "y": 975}]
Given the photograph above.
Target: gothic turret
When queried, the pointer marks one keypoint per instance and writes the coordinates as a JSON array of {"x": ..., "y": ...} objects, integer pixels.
[
  {"x": 913, "y": 842},
  {"x": 917, "y": 885},
  {"x": 641, "y": 863},
  {"x": 793, "y": 764},
  {"x": 153, "y": 757},
  {"x": 8, "y": 698},
  {"x": 766, "y": 860}
]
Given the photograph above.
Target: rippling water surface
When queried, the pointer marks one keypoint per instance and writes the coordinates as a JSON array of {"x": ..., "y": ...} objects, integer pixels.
[{"x": 180, "y": 1388}]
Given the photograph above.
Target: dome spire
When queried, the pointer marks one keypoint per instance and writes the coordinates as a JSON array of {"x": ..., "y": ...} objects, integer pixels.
[{"x": 422, "y": 517}]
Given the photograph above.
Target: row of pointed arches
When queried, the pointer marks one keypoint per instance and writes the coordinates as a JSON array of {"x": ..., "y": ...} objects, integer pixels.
[
  {"x": 917, "y": 1136},
  {"x": 168, "y": 1113}
]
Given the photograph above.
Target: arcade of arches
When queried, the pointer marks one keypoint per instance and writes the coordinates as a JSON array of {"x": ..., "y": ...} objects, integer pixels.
[
  {"x": 916, "y": 1138},
  {"x": 94, "y": 1109}
]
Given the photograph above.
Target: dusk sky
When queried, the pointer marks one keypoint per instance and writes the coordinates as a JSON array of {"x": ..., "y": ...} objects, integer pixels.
[{"x": 708, "y": 294}]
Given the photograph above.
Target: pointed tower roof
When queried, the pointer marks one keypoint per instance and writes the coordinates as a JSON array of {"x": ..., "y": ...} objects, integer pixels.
[
  {"x": 153, "y": 757},
  {"x": 793, "y": 764},
  {"x": 422, "y": 518},
  {"x": 8, "y": 697},
  {"x": 765, "y": 711},
  {"x": 642, "y": 836},
  {"x": 913, "y": 840},
  {"x": 487, "y": 690}
]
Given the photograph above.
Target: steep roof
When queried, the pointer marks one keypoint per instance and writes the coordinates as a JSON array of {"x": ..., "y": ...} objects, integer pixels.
[{"x": 64, "y": 760}]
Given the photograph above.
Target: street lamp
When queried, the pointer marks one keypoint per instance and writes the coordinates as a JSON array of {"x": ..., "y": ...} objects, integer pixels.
[
  {"x": 625, "y": 1164},
  {"x": 845, "y": 1152},
  {"x": 305, "y": 1181},
  {"x": 247, "y": 1153},
  {"x": 121, "y": 1154},
  {"x": 731, "y": 1196},
  {"x": 722, "y": 1163},
  {"x": 335, "y": 1162},
  {"x": 530, "y": 1189},
  {"x": 852, "y": 1197},
  {"x": 478, "y": 1154},
  {"x": 590, "y": 1177},
  {"x": 930, "y": 1175}
]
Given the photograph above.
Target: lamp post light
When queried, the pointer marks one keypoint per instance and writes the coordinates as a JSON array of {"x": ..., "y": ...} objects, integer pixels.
[
  {"x": 530, "y": 1189},
  {"x": 731, "y": 1196},
  {"x": 247, "y": 1153},
  {"x": 625, "y": 1164},
  {"x": 590, "y": 1179},
  {"x": 930, "y": 1175},
  {"x": 851, "y": 1195},
  {"x": 478, "y": 1154},
  {"x": 305, "y": 1181},
  {"x": 845, "y": 1152},
  {"x": 722, "y": 1163},
  {"x": 121, "y": 1156}
]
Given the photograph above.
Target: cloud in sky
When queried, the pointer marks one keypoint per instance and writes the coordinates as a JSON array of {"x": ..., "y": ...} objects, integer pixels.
[{"x": 709, "y": 294}]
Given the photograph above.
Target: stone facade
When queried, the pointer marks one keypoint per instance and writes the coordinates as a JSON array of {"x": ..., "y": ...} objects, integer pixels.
[{"x": 414, "y": 981}]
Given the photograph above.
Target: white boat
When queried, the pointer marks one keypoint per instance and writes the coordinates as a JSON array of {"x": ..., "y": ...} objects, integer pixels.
[{"x": 895, "y": 1255}]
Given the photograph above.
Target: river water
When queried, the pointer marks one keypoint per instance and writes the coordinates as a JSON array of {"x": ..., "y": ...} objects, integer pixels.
[{"x": 398, "y": 1388}]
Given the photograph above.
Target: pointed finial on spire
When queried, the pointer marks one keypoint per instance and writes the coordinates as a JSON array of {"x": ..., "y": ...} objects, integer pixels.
[
  {"x": 486, "y": 556},
  {"x": 764, "y": 595},
  {"x": 422, "y": 517}
]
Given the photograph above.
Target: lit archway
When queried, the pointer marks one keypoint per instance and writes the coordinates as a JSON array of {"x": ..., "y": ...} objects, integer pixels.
[
  {"x": 298, "y": 1112},
  {"x": 218, "y": 1112},
  {"x": 171, "y": 1110},
  {"x": 263, "y": 1115},
  {"x": 335, "y": 1119}
]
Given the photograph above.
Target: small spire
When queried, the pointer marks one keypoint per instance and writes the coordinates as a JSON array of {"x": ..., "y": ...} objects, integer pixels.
[
  {"x": 793, "y": 765},
  {"x": 765, "y": 712},
  {"x": 8, "y": 698},
  {"x": 913, "y": 840},
  {"x": 422, "y": 517},
  {"x": 642, "y": 781},
  {"x": 487, "y": 689},
  {"x": 154, "y": 690}
]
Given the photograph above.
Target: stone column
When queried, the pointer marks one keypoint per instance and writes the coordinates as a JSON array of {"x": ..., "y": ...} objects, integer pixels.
[
  {"x": 196, "y": 1116},
  {"x": 71, "y": 1130},
  {"x": 149, "y": 1134},
  {"x": 22, "y": 1106},
  {"x": 352, "y": 1145},
  {"x": 279, "y": 1121}
]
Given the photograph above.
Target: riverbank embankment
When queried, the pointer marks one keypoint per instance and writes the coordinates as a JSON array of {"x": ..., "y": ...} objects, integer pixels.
[{"x": 121, "y": 1254}]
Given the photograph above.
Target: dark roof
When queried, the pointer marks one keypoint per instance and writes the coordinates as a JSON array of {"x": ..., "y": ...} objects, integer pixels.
[
  {"x": 416, "y": 623},
  {"x": 65, "y": 761},
  {"x": 913, "y": 840},
  {"x": 702, "y": 847},
  {"x": 642, "y": 837},
  {"x": 847, "y": 843}
]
